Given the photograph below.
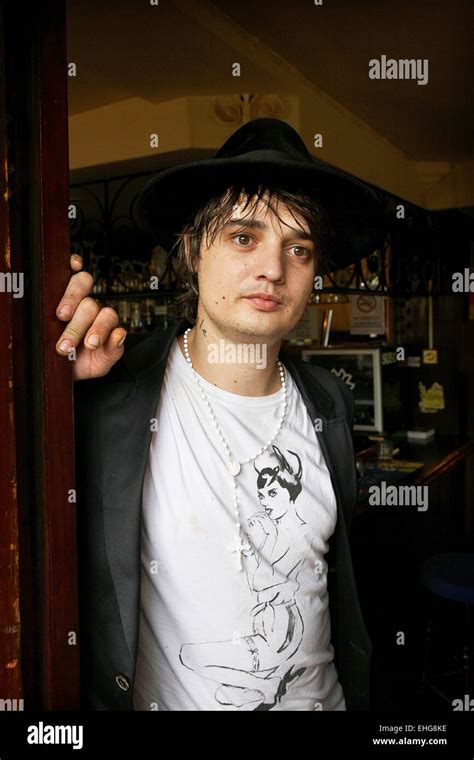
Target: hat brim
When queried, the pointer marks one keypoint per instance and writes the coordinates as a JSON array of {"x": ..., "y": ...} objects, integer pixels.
[{"x": 171, "y": 198}]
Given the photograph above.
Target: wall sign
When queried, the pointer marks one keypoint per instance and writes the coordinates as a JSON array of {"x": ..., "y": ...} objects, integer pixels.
[{"x": 367, "y": 315}]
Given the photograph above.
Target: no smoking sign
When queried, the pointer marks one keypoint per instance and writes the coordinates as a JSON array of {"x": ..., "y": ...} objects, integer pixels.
[
  {"x": 367, "y": 315},
  {"x": 366, "y": 304}
]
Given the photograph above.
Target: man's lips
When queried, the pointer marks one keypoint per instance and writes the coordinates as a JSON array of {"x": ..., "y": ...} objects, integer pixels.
[
  {"x": 265, "y": 296},
  {"x": 264, "y": 301}
]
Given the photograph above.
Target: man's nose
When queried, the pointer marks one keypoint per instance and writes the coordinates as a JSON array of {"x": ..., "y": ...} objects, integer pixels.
[{"x": 271, "y": 260}]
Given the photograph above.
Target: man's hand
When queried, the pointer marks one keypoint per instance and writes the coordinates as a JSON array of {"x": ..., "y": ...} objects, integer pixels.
[{"x": 96, "y": 326}]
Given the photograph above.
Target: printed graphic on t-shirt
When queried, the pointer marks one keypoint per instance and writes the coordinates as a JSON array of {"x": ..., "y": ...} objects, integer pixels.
[{"x": 254, "y": 669}]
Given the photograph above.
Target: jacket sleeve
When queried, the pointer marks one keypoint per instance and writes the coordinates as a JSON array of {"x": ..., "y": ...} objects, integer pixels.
[{"x": 349, "y": 402}]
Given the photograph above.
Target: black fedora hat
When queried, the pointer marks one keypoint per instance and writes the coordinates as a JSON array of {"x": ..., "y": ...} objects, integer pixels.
[{"x": 266, "y": 152}]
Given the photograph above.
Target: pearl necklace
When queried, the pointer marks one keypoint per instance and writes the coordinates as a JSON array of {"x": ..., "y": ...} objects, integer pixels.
[{"x": 234, "y": 466}]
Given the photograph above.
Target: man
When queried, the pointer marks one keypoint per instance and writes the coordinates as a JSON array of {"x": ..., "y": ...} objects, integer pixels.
[{"x": 209, "y": 492}]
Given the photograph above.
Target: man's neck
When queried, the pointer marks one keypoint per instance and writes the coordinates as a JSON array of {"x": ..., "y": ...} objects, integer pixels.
[{"x": 231, "y": 365}]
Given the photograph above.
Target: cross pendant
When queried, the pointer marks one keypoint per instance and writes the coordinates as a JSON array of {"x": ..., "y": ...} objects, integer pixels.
[{"x": 239, "y": 547}]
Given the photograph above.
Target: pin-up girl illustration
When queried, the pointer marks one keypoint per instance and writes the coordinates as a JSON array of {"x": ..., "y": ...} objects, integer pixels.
[{"x": 254, "y": 670}]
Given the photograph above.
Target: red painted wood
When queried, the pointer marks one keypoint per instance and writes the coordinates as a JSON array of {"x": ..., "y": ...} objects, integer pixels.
[
  {"x": 60, "y": 660},
  {"x": 10, "y": 662}
]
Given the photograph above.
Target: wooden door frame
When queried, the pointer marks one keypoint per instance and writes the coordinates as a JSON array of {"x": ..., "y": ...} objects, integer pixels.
[
  {"x": 10, "y": 641},
  {"x": 42, "y": 515}
]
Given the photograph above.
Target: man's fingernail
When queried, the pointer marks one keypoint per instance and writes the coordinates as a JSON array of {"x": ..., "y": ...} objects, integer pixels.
[
  {"x": 64, "y": 346},
  {"x": 76, "y": 257},
  {"x": 93, "y": 340},
  {"x": 65, "y": 311},
  {"x": 121, "y": 341}
]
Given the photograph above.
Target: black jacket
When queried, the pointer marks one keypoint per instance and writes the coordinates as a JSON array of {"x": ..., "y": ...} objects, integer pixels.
[{"x": 113, "y": 437}]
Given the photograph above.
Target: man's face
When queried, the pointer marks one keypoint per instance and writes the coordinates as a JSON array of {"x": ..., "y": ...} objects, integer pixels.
[{"x": 255, "y": 256}]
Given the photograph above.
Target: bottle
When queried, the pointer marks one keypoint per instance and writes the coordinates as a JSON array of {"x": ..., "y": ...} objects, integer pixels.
[
  {"x": 161, "y": 315},
  {"x": 136, "y": 323},
  {"x": 148, "y": 314}
]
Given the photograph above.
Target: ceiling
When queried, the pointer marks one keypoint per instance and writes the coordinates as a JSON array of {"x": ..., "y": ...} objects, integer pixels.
[{"x": 126, "y": 49}]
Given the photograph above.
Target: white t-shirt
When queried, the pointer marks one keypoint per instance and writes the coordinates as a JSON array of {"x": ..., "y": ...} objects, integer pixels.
[{"x": 213, "y": 637}]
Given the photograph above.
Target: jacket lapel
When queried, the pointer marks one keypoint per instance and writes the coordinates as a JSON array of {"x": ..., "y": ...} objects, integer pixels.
[{"x": 126, "y": 410}]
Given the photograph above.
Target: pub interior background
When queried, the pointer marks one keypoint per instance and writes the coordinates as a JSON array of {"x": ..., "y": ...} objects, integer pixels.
[{"x": 150, "y": 86}]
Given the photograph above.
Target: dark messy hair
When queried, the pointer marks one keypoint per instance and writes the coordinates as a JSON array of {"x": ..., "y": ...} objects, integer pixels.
[{"x": 210, "y": 218}]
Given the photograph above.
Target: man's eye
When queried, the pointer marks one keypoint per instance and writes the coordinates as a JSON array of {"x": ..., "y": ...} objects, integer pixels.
[
  {"x": 239, "y": 238},
  {"x": 303, "y": 251}
]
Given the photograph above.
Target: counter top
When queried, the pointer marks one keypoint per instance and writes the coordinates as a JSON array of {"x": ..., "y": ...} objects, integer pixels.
[{"x": 436, "y": 458}]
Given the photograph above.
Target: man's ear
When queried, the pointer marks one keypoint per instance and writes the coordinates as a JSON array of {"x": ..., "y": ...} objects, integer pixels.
[{"x": 187, "y": 253}]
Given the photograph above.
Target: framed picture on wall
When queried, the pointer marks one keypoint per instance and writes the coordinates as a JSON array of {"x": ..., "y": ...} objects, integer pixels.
[{"x": 360, "y": 369}]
